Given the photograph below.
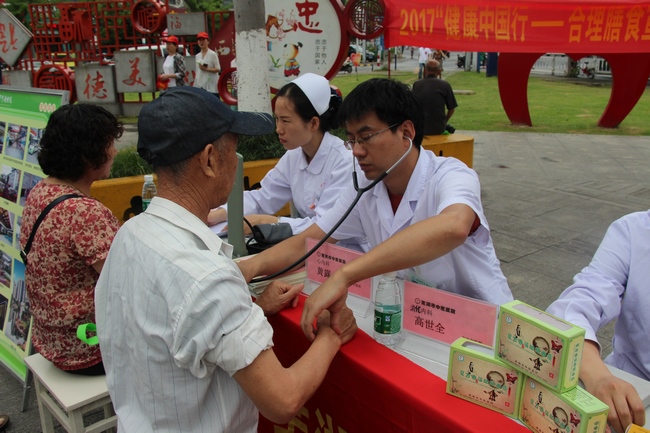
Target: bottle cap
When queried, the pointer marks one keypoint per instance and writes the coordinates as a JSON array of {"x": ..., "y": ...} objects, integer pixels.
[
  {"x": 390, "y": 275},
  {"x": 148, "y": 177}
]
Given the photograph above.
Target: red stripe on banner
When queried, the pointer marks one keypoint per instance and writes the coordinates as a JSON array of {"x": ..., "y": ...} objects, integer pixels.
[
  {"x": 370, "y": 388},
  {"x": 595, "y": 26}
]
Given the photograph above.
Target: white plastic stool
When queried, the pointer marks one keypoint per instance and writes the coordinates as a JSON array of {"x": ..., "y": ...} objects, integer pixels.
[{"x": 68, "y": 396}]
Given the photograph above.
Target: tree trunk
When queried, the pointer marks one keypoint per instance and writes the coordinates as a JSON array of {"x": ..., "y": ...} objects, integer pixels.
[{"x": 252, "y": 56}]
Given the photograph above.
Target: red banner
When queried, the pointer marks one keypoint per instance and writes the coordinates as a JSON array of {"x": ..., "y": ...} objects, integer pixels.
[{"x": 520, "y": 26}]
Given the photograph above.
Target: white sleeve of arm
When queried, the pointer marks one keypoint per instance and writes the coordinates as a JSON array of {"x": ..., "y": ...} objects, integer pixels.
[{"x": 594, "y": 298}]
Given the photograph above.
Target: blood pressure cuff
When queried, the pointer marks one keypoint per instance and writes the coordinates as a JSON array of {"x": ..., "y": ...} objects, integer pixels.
[
  {"x": 267, "y": 235},
  {"x": 271, "y": 233}
]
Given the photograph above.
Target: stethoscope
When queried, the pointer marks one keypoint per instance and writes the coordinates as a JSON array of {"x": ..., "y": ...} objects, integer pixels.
[{"x": 360, "y": 192}]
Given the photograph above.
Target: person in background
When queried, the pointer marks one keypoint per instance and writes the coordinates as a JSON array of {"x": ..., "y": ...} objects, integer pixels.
[
  {"x": 423, "y": 56},
  {"x": 174, "y": 69},
  {"x": 614, "y": 286},
  {"x": 435, "y": 95},
  {"x": 207, "y": 66},
  {"x": 4, "y": 422},
  {"x": 185, "y": 347},
  {"x": 72, "y": 242},
  {"x": 316, "y": 167},
  {"x": 439, "y": 55},
  {"x": 424, "y": 219}
]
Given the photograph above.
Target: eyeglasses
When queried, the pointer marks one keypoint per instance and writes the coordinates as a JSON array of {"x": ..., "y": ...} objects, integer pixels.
[{"x": 362, "y": 140}]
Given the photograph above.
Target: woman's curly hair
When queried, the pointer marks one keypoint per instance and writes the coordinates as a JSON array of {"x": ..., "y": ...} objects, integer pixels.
[{"x": 76, "y": 139}]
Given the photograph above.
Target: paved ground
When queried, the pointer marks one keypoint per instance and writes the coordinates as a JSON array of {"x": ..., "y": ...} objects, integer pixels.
[{"x": 549, "y": 199}]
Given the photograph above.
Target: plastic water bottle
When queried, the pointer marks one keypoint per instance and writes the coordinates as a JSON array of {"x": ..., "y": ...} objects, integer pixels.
[
  {"x": 149, "y": 191},
  {"x": 388, "y": 310}
]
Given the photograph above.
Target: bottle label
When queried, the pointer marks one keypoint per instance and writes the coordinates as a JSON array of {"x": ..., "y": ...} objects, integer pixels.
[
  {"x": 388, "y": 321},
  {"x": 145, "y": 203}
]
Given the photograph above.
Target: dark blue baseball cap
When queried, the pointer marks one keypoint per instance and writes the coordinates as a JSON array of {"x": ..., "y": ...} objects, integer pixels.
[{"x": 183, "y": 120}]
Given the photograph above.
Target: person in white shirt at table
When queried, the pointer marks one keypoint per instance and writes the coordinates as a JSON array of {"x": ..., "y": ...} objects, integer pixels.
[
  {"x": 614, "y": 287},
  {"x": 207, "y": 65},
  {"x": 424, "y": 218},
  {"x": 316, "y": 167},
  {"x": 184, "y": 346}
]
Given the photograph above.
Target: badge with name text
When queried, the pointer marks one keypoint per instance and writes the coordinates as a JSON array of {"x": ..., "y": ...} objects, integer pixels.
[
  {"x": 445, "y": 316},
  {"x": 327, "y": 259}
]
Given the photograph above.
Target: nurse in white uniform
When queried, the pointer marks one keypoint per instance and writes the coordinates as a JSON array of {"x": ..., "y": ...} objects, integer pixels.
[{"x": 315, "y": 168}]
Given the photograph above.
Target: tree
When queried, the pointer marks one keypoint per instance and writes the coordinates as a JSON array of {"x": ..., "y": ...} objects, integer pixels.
[
  {"x": 20, "y": 9},
  {"x": 250, "y": 40},
  {"x": 204, "y": 5}
]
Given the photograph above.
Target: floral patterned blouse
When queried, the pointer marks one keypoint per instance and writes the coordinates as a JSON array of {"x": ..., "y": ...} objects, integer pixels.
[{"x": 59, "y": 278}]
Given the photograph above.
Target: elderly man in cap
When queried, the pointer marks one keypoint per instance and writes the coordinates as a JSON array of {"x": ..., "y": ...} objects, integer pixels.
[
  {"x": 184, "y": 346},
  {"x": 207, "y": 65}
]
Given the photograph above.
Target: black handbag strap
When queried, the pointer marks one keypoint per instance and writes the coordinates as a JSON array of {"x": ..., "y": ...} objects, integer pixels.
[{"x": 39, "y": 220}]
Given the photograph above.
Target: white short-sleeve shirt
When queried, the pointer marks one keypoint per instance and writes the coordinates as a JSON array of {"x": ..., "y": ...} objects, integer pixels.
[
  {"x": 313, "y": 187},
  {"x": 207, "y": 80},
  {"x": 176, "y": 321},
  {"x": 471, "y": 269}
]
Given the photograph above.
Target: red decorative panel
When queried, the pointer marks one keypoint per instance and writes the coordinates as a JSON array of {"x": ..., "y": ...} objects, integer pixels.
[
  {"x": 55, "y": 77},
  {"x": 66, "y": 34},
  {"x": 227, "y": 86},
  {"x": 365, "y": 18},
  {"x": 149, "y": 16}
]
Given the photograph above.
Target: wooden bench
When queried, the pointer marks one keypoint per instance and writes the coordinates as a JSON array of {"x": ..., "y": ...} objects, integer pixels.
[
  {"x": 459, "y": 146},
  {"x": 67, "y": 397}
]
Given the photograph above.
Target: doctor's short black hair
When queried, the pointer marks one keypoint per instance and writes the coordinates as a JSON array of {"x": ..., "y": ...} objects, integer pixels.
[{"x": 392, "y": 102}]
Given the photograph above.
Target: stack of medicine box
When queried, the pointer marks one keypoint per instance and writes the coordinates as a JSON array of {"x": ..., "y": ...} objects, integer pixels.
[{"x": 539, "y": 357}]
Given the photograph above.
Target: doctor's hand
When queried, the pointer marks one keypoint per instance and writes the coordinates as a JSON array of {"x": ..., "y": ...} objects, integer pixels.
[
  {"x": 625, "y": 405},
  {"x": 277, "y": 296},
  {"x": 331, "y": 295}
]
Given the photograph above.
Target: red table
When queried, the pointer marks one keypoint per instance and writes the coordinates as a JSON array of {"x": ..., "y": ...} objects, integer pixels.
[{"x": 370, "y": 388}]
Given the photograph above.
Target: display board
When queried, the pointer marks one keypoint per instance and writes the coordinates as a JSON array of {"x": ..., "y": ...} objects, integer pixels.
[
  {"x": 23, "y": 116},
  {"x": 304, "y": 37}
]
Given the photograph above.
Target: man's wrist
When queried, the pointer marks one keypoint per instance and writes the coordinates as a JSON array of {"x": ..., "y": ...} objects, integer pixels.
[{"x": 260, "y": 303}]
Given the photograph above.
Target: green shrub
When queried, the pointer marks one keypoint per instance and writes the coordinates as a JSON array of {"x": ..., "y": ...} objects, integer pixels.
[
  {"x": 128, "y": 163},
  {"x": 268, "y": 146},
  {"x": 261, "y": 147},
  {"x": 340, "y": 133}
]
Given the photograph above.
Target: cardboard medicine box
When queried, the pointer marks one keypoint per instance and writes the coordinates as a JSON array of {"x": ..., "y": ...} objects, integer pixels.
[
  {"x": 540, "y": 345},
  {"x": 574, "y": 411},
  {"x": 476, "y": 375}
]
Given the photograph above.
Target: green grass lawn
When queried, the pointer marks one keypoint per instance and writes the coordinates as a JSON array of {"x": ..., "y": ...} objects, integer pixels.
[{"x": 555, "y": 105}]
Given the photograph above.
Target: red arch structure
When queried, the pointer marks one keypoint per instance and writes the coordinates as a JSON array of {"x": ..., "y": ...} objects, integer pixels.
[
  {"x": 630, "y": 74},
  {"x": 522, "y": 30}
]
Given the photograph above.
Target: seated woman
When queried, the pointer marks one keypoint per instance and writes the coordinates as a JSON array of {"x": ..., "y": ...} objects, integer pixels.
[
  {"x": 316, "y": 165},
  {"x": 72, "y": 242}
]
